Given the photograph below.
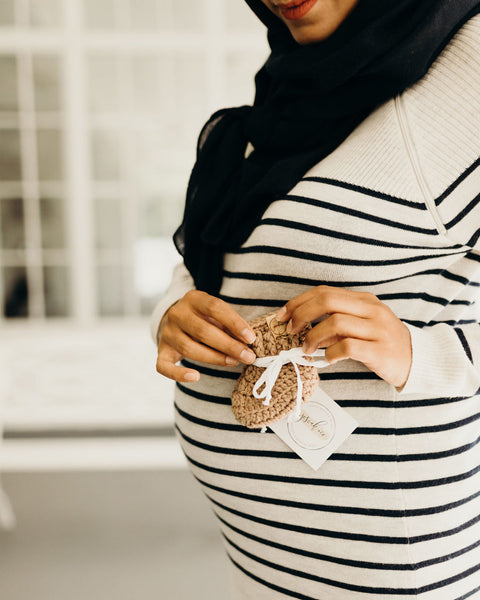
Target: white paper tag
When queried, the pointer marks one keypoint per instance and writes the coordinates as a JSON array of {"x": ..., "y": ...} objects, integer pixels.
[{"x": 322, "y": 427}]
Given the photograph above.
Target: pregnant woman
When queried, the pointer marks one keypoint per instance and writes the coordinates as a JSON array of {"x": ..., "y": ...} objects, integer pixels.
[{"x": 347, "y": 196}]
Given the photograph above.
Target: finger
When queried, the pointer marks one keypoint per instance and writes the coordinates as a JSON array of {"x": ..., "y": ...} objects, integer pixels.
[
  {"x": 210, "y": 335},
  {"x": 216, "y": 323},
  {"x": 286, "y": 311},
  {"x": 195, "y": 350},
  {"x": 361, "y": 350},
  {"x": 215, "y": 308},
  {"x": 329, "y": 302},
  {"x": 338, "y": 326},
  {"x": 167, "y": 357},
  {"x": 200, "y": 330}
]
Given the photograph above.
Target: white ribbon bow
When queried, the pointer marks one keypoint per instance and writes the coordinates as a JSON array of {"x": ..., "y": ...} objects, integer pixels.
[{"x": 273, "y": 365}]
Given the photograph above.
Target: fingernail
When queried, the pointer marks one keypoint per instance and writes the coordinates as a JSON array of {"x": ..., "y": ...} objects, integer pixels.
[
  {"x": 247, "y": 356},
  {"x": 306, "y": 349},
  {"x": 191, "y": 377},
  {"x": 231, "y": 361},
  {"x": 281, "y": 313},
  {"x": 289, "y": 327},
  {"x": 248, "y": 335}
]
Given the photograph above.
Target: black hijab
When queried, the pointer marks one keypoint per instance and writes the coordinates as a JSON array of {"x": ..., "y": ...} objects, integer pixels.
[{"x": 308, "y": 99}]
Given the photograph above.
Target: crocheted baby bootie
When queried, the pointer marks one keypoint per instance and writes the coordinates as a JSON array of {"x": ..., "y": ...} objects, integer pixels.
[{"x": 271, "y": 339}]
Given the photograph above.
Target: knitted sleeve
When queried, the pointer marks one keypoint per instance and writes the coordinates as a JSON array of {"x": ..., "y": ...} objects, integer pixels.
[
  {"x": 446, "y": 358},
  {"x": 180, "y": 284}
]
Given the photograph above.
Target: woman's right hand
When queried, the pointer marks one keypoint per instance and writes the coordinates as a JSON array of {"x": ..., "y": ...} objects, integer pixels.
[{"x": 202, "y": 328}]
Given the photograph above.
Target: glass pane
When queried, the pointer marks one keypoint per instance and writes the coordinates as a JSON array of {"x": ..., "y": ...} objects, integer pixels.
[
  {"x": 46, "y": 77},
  {"x": 100, "y": 14},
  {"x": 110, "y": 290},
  {"x": 187, "y": 16},
  {"x": 55, "y": 283},
  {"x": 8, "y": 77},
  {"x": 7, "y": 12},
  {"x": 239, "y": 17},
  {"x": 160, "y": 215},
  {"x": 12, "y": 223},
  {"x": 104, "y": 83},
  {"x": 105, "y": 155},
  {"x": 108, "y": 223},
  {"x": 10, "y": 163},
  {"x": 46, "y": 13},
  {"x": 49, "y": 148},
  {"x": 146, "y": 83},
  {"x": 150, "y": 280},
  {"x": 241, "y": 71},
  {"x": 15, "y": 287},
  {"x": 189, "y": 96},
  {"x": 53, "y": 223},
  {"x": 144, "y": 14}
]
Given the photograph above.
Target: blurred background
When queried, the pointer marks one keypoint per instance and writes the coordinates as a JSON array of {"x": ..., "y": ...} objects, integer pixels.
[{"x": 101, "y": 103}]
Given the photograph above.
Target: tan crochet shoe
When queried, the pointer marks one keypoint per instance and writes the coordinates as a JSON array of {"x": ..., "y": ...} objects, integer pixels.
[{"x": 271, "y": 339}]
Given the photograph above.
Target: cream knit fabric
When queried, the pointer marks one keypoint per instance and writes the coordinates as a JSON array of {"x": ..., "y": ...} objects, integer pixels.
[{"x": 395, "y": 512}]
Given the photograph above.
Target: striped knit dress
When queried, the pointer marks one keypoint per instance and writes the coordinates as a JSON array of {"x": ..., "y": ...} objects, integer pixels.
[{"x": 395, "y": 511}]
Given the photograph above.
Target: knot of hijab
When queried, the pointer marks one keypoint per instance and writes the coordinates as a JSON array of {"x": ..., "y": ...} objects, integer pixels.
[{"x": 308, "y": 99}]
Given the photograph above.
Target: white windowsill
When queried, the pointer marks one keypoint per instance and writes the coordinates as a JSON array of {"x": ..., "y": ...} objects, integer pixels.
[{"x": 58, "y": 374}]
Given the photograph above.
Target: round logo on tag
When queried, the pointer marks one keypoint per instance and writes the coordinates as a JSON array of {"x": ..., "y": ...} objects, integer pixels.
[{"x": 314, "y": 429}]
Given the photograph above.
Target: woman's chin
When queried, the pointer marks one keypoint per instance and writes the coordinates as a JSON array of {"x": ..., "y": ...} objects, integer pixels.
[{"x": 308, "y": 34}]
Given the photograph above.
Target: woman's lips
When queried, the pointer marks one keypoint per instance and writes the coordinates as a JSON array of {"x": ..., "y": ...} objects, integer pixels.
[{"x": 296, "y": 9}]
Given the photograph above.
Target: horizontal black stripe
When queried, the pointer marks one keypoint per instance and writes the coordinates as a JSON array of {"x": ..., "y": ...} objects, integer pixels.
[
  {"x": 360, "y": 564},
  {"x": 344, "y": 510},
  {"x": 347, "y": 535},
  {"x": 457, "y": 182},
  {"x": 205, "y": 397},
  {"x": 358, "y": 213},
  {"x": 315, "y": 282},
  {"x": 405, "y": 457},
  {"x": 219, "y": 372},
  {"x": 358, "y": 431},
  {"x": 366, "y": 191},
  {"x": 336, "y": 456},
  {"x": 236, "y": 451},
  {"x": 277, "y": 303},
  {"x": 346, "y": 284},
  {"x": 423, "y": 296},
  {"x": 358, "y": 239},
  {"x": 253, "y": 301},
  {"x": 338, "y": 260},
  {"x": 358, "y": 588},
  {"x": 374, "y": 485},
  {"x": 416, "y": 430},
  {"x": 451, "y": 322},
  {"x": 310, "y": 576},
  {"x": 357, "y": 403},
  {"x": 315, "y": 531},
  {"x": 387, "y": 404},
  {"x": 299, "y": 596},
  {"x": 214, "y": 424},
  {"x": 360, "y": 375}
]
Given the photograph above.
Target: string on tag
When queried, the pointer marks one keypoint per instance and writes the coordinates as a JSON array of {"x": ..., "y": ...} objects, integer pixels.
[{"x": 273, "y": 365}]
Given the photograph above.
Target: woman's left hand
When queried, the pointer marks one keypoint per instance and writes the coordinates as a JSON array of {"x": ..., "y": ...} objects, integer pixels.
[{"x": 355, "y": 325}]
